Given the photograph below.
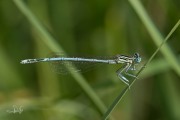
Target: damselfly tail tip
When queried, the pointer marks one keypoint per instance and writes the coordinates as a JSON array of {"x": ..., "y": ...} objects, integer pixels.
[
  {"x": 27, "y": 61},
  {"x": 24, "y": 61}
]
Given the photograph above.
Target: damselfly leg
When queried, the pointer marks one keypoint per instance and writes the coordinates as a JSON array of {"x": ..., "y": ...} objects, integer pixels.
[{"x": 124, "y": 71}]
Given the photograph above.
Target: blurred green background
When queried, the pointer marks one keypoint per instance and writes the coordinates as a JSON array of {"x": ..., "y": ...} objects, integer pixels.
[{"x": 87, "y": 28}]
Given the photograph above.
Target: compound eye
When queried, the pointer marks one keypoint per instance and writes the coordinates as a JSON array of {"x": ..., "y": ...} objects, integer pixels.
[{"x": 137, "y": 57}]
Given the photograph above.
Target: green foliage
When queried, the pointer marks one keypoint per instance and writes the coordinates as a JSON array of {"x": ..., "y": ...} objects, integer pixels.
[{"x": 35, "y": 28}]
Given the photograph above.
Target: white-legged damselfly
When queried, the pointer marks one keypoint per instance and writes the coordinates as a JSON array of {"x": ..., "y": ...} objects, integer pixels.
[{"x": 61, "y": 63}]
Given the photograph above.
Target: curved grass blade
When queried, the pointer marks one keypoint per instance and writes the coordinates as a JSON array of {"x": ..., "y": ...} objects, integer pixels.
[{"x": 54, "y": 46}]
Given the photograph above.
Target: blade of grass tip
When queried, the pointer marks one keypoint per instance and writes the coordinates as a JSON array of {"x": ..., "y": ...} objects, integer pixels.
[
  {"x": 120, "y": 96},
  {"x": 52, "y": 44},
  {"x": 155, "y": 34}
]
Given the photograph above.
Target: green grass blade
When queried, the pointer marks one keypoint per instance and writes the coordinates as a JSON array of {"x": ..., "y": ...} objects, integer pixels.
[
  {"x": 164, "y": 41},
  {"x": 54, "y": 46},
  {"x": 115, "y": 102}
]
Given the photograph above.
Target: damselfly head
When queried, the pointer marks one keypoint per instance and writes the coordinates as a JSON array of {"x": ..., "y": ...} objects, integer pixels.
[{"x": 137, "y": 58}]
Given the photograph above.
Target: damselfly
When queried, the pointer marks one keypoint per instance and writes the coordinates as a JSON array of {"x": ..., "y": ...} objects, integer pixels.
[{"x": 62, "y": 62}]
